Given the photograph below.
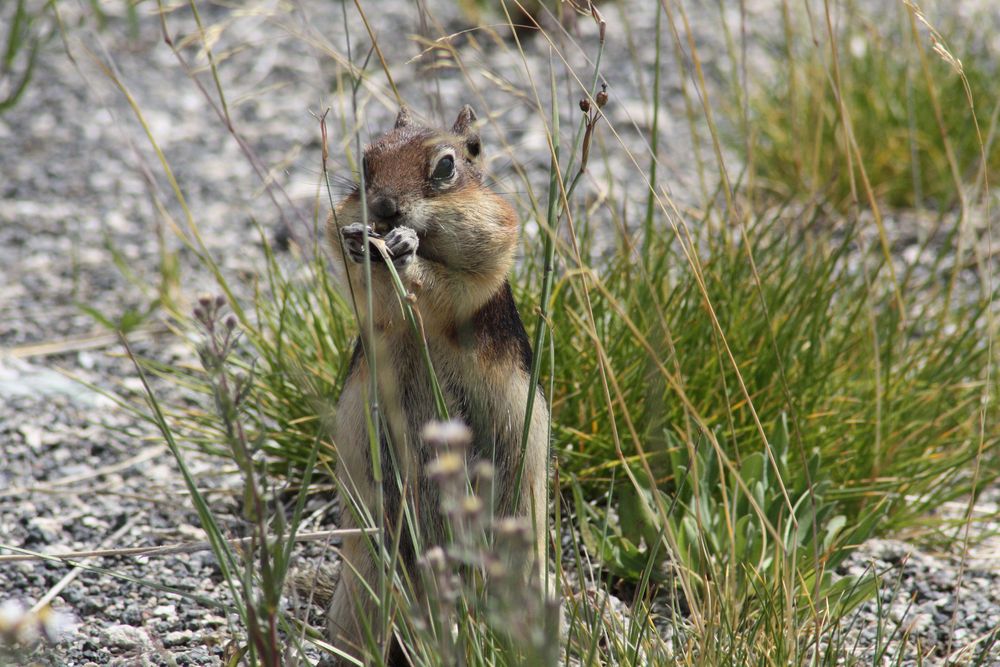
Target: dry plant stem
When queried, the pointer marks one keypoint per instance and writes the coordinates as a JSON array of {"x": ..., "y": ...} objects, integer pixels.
[
  {"x": 197, "y": 245},
  {"x": 655, "y": 134},
  {"x": 79, "y": 343},
  {"x": 333, "y": 205},
  {"x": 553, "y": 216},
  {"x": 949, "y": 152},
  {"x": 223, "y": 114},
  {"x": 916, "y": 14},
  {"x": 854, "y": 151},
  {"x": 171, "y": 549},
  {"x": 378, "y": 51},
  {"x": 211, "y": 61},
  {"x": 417, "y": 325}
]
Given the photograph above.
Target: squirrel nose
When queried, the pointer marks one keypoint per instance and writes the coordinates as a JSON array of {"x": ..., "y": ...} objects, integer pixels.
[{"x": 385, "y": 207}]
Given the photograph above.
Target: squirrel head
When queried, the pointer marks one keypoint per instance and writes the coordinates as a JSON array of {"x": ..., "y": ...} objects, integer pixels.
[{"x": 413, "y": 170}]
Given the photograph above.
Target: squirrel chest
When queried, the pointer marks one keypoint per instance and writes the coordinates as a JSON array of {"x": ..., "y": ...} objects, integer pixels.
[{"x": 482, "y": 367}]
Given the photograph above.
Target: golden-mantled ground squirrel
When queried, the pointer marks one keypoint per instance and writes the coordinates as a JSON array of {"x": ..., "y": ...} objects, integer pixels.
[{"x": 452, "y": 241}]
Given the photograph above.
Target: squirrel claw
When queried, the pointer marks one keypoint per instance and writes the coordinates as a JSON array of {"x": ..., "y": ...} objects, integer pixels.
[
  {"x": 402, "y": 242},
  {"x": 352, "y": 237}
]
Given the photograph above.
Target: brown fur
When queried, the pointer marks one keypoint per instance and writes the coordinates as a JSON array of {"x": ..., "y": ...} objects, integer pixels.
[{"x": 458, "y": 277}]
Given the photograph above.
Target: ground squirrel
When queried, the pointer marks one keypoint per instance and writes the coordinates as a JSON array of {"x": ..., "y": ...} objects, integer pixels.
[{"x": 452, "y": 241}]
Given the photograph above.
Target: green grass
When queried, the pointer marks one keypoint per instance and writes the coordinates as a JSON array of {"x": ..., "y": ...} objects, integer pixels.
[
  {"x": 739, "y": 396},
  {"x": 908, "y": 107},
  {"x": 20, "y": 42}
]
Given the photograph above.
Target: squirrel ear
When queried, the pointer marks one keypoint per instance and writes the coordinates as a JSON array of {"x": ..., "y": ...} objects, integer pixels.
[
  {"x": 465, "y": 127},
  {"x": 403, "y": 117},
  {"x": 466, "y": 117}
]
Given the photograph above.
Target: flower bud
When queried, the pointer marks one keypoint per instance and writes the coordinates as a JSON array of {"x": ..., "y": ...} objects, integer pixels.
[
  {"x": 483, "y": 471},
  {"x": 472, "y": 506},
  {"x": 602, "y": 98},
  {"x": 434, "y": 559},
  {"x": 446, "y": 466}
]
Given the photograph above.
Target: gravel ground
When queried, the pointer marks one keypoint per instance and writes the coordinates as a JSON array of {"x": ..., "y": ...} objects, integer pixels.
[
  {"x": 936, "y": 609},
  {"x": 80, "y": 198}
]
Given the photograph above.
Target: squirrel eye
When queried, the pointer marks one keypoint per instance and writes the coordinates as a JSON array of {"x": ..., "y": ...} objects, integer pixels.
[{"x": 445, "y": 168}]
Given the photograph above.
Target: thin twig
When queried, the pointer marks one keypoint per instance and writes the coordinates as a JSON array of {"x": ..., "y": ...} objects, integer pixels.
[
  {"x": 171, "y": 549},
  {"x": 79, "y": 343}
]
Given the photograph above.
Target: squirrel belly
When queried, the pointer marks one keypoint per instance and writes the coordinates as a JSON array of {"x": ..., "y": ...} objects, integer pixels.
[
  {"x": 483, "y": 370},
  {"x": 452, "y": 242}
]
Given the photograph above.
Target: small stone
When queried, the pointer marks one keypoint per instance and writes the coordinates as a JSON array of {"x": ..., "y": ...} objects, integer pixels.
[
  {"x": 127, "y": 637},
  {"x": 165, "y": 610},
  {"x": 178, "y": 638},
  {"x": 32, "y": 436},
  {"x": 86, "y": 360}
]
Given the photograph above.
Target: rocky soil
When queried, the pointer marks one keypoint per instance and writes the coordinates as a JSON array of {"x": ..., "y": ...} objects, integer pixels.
[{"x": 84, "y": 204}]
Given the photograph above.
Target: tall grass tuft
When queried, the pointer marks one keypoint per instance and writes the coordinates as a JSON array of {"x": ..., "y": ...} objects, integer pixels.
[{"x": 909, "y": 109}]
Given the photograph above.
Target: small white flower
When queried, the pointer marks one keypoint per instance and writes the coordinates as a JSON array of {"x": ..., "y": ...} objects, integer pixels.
[
  {"x": 12, "y": 615},
  {"x": 22, "y": 627},
  {"x": 858, "y": 46},
  {"x": 55, "y": 624},
  {"x": 446, "y": 466},
  {"x": 451, "y": 433}
]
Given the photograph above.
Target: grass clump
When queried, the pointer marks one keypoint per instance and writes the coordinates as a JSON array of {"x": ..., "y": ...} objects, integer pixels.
[
  {"x": 907, "y": 107},
  {"x": 749, "y": 482}
]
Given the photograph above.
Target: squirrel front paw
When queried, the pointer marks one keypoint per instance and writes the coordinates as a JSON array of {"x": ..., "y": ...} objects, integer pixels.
[
  {"x": 402, "y": 242},
  {"x": 353, "y": 238}
]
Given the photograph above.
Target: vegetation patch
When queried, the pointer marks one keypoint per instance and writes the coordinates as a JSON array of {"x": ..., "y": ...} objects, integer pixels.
[{"x": 877, "y": 96}]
